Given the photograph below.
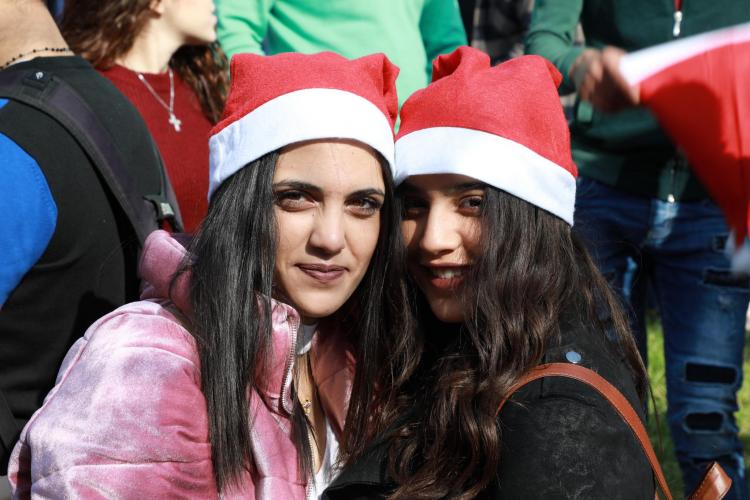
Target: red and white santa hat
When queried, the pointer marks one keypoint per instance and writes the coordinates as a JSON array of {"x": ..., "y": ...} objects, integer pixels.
[
  {"x": 279, "y": 100},
  {"x": 502, "y": 125}
]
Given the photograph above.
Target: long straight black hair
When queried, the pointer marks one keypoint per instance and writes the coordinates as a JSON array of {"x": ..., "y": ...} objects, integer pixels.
[
  {"x": 531, "y": 268},
  {"x": 231, "y": 265}
]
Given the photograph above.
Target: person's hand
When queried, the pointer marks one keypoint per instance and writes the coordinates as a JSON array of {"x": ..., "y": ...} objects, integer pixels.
[{"x": 598, "y": 80}]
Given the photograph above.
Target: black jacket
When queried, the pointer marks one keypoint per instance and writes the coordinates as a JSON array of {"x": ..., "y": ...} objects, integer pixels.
[{"x": 560, "y": 439}]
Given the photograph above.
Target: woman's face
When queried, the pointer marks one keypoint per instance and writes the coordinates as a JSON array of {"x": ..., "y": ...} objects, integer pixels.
[
  {"x": 328, "y": 199},
  {"x": 191, "y": 20},
  {"x": 441, "y": 230}
]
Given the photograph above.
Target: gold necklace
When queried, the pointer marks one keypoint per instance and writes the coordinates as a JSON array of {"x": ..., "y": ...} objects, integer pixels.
[{"x": 307, "y": 402}]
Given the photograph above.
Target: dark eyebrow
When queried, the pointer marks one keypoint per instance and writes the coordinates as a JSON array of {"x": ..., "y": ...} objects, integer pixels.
[
  {"x": 298, "y": 185},
  {"x": 466, "y": 186},
  {"x": 406, "y": 186},
  {"x": 312, "y": 188},
  {"x": 456, "y": 188},
  {"x": 367, "y": 192}
]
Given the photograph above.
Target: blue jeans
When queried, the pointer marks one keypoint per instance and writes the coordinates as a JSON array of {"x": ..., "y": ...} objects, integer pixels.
[{"x": 674, "y": 251}]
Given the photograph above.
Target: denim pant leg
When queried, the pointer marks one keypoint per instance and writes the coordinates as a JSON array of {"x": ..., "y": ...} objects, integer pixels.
[
  {"x": 703, "y": 317},
  {"x": 613, "y": 225}
]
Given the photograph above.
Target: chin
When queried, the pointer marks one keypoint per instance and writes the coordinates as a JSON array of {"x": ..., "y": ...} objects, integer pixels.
[
  {"x": 447, "y": 311},
  {"x": 315, "y": 312},
  {"x": 203, "y": 38},
  {"x": 316, "y": 305}
]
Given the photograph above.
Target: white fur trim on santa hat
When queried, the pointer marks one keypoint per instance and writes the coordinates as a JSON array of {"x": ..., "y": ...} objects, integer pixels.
[
  {"x": 298, "y": 116},
  {"x": 492, "y": 159}
]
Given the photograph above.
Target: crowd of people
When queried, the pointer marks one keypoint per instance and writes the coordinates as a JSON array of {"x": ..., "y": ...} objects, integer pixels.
[{"x": 304, "y": 249}]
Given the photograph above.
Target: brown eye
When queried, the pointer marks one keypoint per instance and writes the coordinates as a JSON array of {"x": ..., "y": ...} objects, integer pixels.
[
  {"x": 365, "y": 206},
  {"x": 412, "y": 207},
  {"x": 293, "y": 200},
  {"x": 472, "y": 204}
]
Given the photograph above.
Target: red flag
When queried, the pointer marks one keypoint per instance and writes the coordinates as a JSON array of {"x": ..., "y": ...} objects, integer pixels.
[{"x": 699, "y": 89}]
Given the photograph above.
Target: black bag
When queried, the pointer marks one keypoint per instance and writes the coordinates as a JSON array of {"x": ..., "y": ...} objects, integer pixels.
[{"x": 51, "y": 95}]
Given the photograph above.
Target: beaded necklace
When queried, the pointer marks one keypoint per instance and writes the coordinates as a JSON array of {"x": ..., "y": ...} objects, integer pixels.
[{"x": 34, "y": 51}]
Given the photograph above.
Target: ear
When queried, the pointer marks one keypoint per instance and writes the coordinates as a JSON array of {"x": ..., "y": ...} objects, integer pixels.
[{"x": 157, "y": 6}]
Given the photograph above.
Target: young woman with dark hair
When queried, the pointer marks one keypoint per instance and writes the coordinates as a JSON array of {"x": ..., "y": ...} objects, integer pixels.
[
  {"x": 234, "y": 377},
  {"x": 163, "y": 55},
  {"x": 503, "y": 285}
]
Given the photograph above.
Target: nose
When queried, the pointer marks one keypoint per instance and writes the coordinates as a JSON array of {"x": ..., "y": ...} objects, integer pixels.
[
  {"x": 440, "y": 233},
  {"x": 327, "y": 234}
]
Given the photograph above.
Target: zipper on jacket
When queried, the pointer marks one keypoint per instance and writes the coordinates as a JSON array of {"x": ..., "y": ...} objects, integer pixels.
[
  {"x": 311, "y": 479},
  {"x": 677, "y": 18},
  {"x": 670, "y": 196},
  {"x": 289, "y": 366},
  {"x": 672, "y": 172},
  {"x": 284, "y": 392}
]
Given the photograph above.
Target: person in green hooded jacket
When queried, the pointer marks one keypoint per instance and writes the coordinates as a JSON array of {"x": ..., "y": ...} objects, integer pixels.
[
  {"x": 410, "y": 33},
  {"x": 649, "y": 221}
]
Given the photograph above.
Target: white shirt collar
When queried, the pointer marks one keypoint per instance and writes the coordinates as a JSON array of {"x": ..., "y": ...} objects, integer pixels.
[{"x": 304, "y": 342}]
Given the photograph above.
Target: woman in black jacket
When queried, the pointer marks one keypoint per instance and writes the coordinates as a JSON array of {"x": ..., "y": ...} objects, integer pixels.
[{"x": 488, "y": 190}]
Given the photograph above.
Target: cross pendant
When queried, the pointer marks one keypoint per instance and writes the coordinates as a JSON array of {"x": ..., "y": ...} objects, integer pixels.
[{"x": 176, "y": 122}]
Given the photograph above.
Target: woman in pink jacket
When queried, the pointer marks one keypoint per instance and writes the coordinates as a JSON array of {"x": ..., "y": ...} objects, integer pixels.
[{"x": 232, "y": 377}]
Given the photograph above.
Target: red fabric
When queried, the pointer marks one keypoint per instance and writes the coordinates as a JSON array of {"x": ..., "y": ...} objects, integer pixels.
[
  {"x": 185, "y": 153},
  {"x": 263, "y": 78},
  {"x": 704, "y": 103},
  {"x": 516, "y": 100}
]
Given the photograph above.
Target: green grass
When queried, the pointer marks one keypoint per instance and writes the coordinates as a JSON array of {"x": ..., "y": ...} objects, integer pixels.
[{"x": 656, "y": 372}]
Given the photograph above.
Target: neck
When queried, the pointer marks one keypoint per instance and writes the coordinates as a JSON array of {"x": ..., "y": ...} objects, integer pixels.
[
  {"x": 25, "y": 26},
  {"x": 152, "y": 50}
]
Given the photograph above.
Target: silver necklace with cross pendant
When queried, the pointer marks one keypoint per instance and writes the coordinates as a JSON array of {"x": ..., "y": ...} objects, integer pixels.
[{"x": 173, "y": 120}]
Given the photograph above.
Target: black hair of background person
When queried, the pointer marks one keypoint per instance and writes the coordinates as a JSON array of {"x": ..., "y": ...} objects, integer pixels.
[{"x": 231, "y": 265}]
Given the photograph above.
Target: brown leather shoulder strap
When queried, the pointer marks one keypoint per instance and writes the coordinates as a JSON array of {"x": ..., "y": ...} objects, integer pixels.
[
  {"x": 616, "y": 399},
  {"x": 715, "y": 484}
]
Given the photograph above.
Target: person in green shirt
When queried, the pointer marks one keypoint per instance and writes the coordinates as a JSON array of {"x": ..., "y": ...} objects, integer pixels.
[
  {"x": 411, "y": 33},
  {"x": 648, "y": 219}
]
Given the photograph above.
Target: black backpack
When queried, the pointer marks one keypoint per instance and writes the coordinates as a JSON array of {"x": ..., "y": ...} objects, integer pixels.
[{"x": 51, "y": 95}]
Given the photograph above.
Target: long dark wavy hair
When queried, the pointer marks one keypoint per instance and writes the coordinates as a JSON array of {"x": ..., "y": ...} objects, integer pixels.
[
  {"x": 531, "y": 268},
  {"x": 101, "y": 31},
  {"x": 231, "y": 266}
]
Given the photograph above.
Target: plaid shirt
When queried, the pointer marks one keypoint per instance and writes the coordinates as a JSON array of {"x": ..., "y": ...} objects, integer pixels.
[{"x": 499, "y": 27}]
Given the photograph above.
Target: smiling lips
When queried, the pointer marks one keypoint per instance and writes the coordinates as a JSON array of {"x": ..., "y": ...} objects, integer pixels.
[
  {"x": 321, "y": 272},
  {"x": 445, "y": 277}
]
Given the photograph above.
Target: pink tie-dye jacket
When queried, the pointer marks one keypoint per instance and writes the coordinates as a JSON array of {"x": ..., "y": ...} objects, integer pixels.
[{"x": 127, "y": 419}]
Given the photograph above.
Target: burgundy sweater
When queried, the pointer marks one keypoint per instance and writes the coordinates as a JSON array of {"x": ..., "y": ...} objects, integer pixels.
[{"x": 185, "y": 152}]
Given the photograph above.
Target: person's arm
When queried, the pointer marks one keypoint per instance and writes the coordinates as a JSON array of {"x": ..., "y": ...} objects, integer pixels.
[
  {"x": 242, "y": 25},
  {"x": 596, "y": 74},
  {"x": 29, "y": 215},
  {"x": 586, "y": 70},
  {"x": 564, "y": 447},
  {"x": 552, "y": 35},
  {"x": 441, "y": 28}
]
